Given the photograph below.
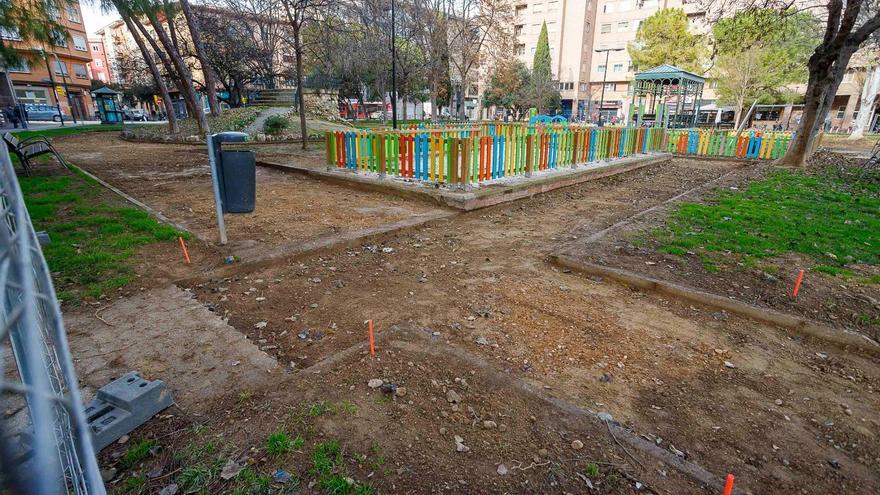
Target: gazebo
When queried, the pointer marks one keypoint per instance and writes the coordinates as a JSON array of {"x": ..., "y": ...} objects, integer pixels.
[{"x": 666, "y": 95}]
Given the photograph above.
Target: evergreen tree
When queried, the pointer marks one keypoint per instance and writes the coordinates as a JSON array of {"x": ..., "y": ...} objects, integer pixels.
[{"x": 541, "y": 63}]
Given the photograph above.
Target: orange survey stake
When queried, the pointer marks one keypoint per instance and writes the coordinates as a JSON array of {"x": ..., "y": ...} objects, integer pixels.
[
  {"x": 372, "y": 347},
  {"x": 183, "y": 246},
  {"x": 797, "y": 284},
  {"x": 728, "y": 487}
]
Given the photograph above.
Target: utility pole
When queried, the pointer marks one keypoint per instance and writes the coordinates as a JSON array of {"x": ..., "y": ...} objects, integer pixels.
[
  {"x": 604, "y": 78},
  {"x": 393, "y": 70}
]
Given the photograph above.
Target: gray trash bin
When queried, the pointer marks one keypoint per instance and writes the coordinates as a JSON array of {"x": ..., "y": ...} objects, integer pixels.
[{"x": 239, "y": 171}]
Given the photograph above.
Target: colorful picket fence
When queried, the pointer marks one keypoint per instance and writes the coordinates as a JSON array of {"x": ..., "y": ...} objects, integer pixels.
[
  {"x": 748, "y": 145},
  {"x": 483, "y": 152}
]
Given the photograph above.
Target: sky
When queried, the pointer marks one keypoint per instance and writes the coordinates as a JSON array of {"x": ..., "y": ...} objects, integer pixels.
[{"x": 93, "y": 17}]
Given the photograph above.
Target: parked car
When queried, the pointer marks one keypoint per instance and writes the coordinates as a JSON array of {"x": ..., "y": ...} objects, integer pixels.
[
  {"x": 134, "y": 114},
  {"x": 44, "y": 112}
]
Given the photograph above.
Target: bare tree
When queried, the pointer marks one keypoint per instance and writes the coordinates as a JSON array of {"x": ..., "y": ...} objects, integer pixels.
[
  {"x": 433, "y": 36},
  {"x": 300, "y": 14},
  {"x": 195, "y": 33}
]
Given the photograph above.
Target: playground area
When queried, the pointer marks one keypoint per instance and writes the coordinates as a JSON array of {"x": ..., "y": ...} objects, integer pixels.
[{"x": 499, "y": 370}]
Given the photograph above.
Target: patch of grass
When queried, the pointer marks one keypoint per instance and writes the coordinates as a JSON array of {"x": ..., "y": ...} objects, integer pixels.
[
  {"x": 194, "y": 478},
  {"x": 278, "y": 444},
  {"x": 297, "y": 443},
  {"x": 833, "y": 270},
  {"x": 249, "y": 482},
  {"x": 591, "y": 470},
  {"x": 824, "y": 216},
  {"x": 92, "y": 238},
  {"x": 325, "y": 457},
  {"x": 347, "y": 407},
  {"x": 69, "y": 130},
  {"x": 135, "y": 484},
  {"x": 326, "y": 462},
  {"x": 319, "y": 409},
  {"x": 139, "y": 451}
]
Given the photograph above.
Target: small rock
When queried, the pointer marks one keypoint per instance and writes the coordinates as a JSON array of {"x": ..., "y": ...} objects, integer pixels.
[
  {"x": 169, "y": 489},
  {"x": 122, "y": 439},
  {"x": 577, "y": 445},
  {"x": 821, "y": 355},
  {"x": 778, "y": 402},
  {"x": 482, "y": 341},
  {"x": 604, "y": 416},
  {"x": 833, "y": 463},
  {"x": 389, "y": 388},
  {"x": 375, "y": 383},
  {"x": 313, "y": 305},
  {"x": 108, "y": 474},
  {"x": 154, "y": 473},
  {"x": 260, "y": 299},
  {"x": 728, "y": 364},
  {"x": 502, "y": 427},
  {"x": 387, "y": 250},
  {"x": 452, "y": 397},
  {"x": 400, "y": 392},
  {"x": 543, "y": 453},
  {"x": 261, "y": 324},
  {"x": 442, "y": 430},
  {"x": 489, "y": 425},
  {"x": 676, "y": 451},
  {"x": 231, "y": 469},
  {"x": 460, "y": 447},
  {"x": 458, "y": 439},
  {"x": 502, "y": 470}
]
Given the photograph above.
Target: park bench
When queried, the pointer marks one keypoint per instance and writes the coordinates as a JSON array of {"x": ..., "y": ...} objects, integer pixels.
[{"x": 30, "y": 148}]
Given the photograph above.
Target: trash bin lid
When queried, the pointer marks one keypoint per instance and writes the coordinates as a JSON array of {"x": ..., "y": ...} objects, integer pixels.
[{"x": 230, "y": 137}]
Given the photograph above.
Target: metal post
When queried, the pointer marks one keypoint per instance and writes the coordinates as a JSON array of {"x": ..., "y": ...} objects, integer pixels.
[
  {"x": 393, "y": 69},
  {"x": 604, "y": 78},
  {"x": 66, "y": 90},
  {"x": 54, "y": 89},
  {"x": 215, "y": 183}
]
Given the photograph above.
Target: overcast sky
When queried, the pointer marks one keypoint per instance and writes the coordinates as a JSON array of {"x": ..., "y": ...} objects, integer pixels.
[{"x": 94, "y": 18}]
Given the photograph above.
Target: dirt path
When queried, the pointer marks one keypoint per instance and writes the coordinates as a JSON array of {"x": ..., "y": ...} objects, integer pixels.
[{"x": 786, "y": 415}]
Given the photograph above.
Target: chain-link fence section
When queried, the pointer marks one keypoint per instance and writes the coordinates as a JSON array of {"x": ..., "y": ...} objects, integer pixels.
[{"x": 45, "y": 444}]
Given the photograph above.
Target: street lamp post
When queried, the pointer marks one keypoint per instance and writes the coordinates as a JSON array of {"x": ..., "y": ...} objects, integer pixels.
[
  {"x": 604, "y": 78},
  {"x": 393, "y": 70}
]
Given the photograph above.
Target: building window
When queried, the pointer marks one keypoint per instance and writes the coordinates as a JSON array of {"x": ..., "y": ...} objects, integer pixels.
[
  {"x": 841, "y": 111},
  {"x": 52, "y": 10},
  {"x": 601, "y": 68},
  {"x": 623, "y": 25},
  {"x": 584, "y": 87},
  {"x": 60, "y": 68},
  {"x": 566, "y": 86},
  {"x": 848, "y": 76},
  {"x": 73, "y": 13},
  {"x": 10, "y": 33},
  {"x": 517, "y": 30},
  {"x": 79, "y": 43},
  {"x": 59, "y": 38},
  {"x": 647, "y": 4},
  {"x": 79, "y": 70},
  {"x": 99, "y": 63},
  {"x": 618, "y": 68},
  {"x": 608, "y": 8},
  {"x": 521, "y": 49},
  {"x": 94, "y": 48},
  {"x": 521, "y": 10},
  {"x": 22, "y": 66},
  {"x": 610, "y": 86},
  {"x": 605, "y": 28},
  {"x": 34, "y": 96},
  {"x": 101, "y": 77}
]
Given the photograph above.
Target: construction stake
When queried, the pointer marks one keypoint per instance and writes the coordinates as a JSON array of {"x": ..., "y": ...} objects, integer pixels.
[
  {"x": 183, "y": 246},
  {"x": 797, "y": 284},
  {"x": 728, "y": 487},
  {"x": 372, "y": 346}
]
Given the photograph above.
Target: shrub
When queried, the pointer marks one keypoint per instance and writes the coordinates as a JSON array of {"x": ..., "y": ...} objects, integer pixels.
[{"x": 276, "y": 124}]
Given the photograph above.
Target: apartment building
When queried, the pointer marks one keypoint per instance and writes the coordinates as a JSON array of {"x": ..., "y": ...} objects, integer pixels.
[
  {"x": 57, "y": 72},
  {"x": 570, "y": 34},
  {"x": 99, "y": 67}
]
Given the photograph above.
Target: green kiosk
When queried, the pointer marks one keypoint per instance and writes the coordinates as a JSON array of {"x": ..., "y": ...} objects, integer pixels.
[{"x": 108, "y": 105}]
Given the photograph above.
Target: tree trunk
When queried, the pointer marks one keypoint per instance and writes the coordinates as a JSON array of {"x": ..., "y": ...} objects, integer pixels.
[
  {"x": 433, "y": 100},
  {"x": 169, "y": 67},
  {"x": 207, "y": 72},
  {"x": 298, "y": 52},
  {"x": 826, "y": 71},
  {"x": 173, "y": 127},
  {"x": 405, "y": 115},
  {"x": 868, "y": 99},
  {"x": 186, "y": 80}
]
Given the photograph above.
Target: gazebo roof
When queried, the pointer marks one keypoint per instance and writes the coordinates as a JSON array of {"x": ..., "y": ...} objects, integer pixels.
[{"x": 668, "y": 72}]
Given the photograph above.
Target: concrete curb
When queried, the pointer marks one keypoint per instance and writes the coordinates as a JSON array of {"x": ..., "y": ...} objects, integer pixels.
[
  {"x": 487, "y": 195},
  {"x": 802, "y": 326}
]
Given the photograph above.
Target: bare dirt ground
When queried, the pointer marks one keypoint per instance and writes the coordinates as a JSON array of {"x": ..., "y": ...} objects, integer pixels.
[
  {"x": 175, "y": 180},
  {"x": 785, "y": 414}
]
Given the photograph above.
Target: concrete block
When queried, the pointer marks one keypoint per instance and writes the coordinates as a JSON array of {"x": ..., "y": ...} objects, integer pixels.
[{"x": 124, "y": 404}]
